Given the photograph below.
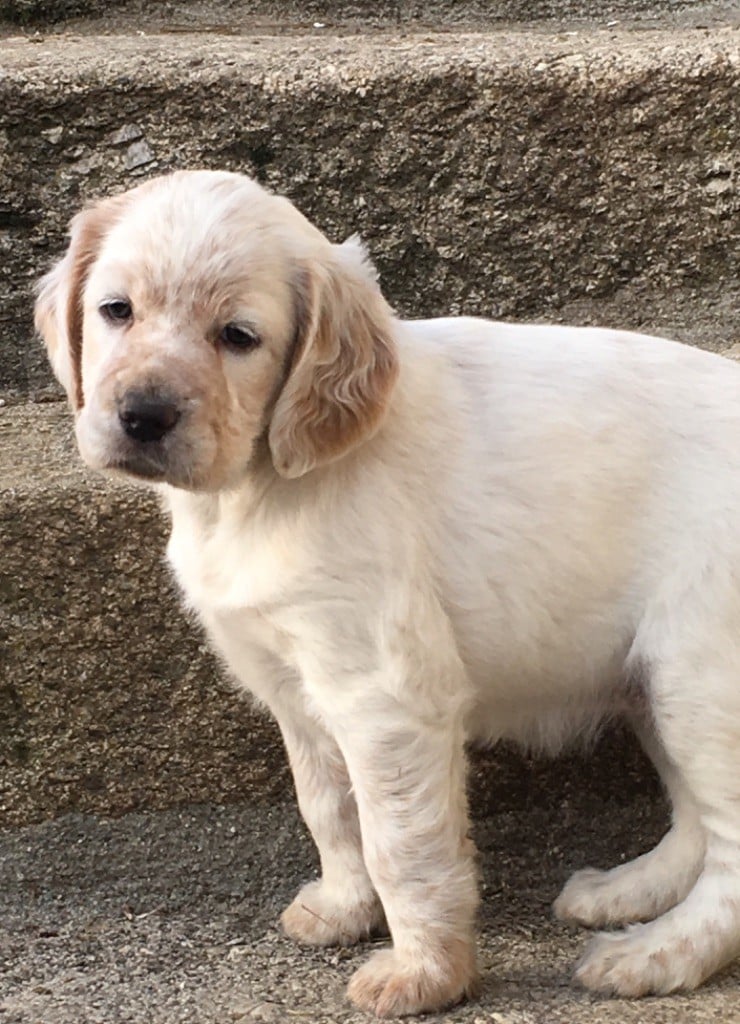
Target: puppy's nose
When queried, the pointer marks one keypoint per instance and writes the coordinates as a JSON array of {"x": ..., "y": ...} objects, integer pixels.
[{"x": 147, "y": 417}]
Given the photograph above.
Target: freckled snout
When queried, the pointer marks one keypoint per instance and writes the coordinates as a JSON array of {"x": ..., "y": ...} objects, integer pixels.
[{"x": 146, "y": 416}]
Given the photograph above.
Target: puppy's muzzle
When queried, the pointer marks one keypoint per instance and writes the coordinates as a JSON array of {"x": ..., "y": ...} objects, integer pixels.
[{"x": 147, "y": 417}]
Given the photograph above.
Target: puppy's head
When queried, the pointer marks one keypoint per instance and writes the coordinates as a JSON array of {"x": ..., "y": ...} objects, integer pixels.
[{"x": 199, "y": 321}]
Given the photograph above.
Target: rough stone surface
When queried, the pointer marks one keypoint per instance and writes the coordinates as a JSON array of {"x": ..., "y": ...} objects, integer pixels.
[
  {"x": 506, "y": 173},
  {"x": 108, "y": 697}
]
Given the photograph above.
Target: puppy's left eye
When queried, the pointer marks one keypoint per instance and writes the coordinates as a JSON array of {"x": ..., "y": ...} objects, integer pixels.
[
  {"x": 117, "y": 310},
  {"x": 239, "y": 338}
]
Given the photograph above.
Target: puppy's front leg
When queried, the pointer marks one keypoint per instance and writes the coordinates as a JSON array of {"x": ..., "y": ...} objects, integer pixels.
[
  {"x": 403, "y": 743},
  {"x": 409, "y": 783},
  {"x": 341, "y": 908}
]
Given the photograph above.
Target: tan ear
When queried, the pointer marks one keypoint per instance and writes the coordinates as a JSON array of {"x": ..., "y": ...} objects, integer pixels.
[
  {"x": 58, "y": 313},
  {"x": 343, "y": 368}
]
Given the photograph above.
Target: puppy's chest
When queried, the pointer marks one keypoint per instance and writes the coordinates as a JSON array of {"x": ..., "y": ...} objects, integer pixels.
[
  {"x": 229, "y": 567},
  {"x": 243, "y": 585}
]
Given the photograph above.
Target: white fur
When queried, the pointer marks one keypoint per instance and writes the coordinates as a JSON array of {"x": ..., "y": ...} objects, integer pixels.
[{"x": 543, "y": 532}]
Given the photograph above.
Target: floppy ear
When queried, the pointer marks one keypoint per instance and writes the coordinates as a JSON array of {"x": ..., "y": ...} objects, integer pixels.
[
  {"x": 343, "y": 368},
  {"x": 58, "y": 313}
]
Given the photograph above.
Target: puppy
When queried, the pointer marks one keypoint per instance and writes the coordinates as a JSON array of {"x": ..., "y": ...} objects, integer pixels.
[{"x": 402, "y": 536}]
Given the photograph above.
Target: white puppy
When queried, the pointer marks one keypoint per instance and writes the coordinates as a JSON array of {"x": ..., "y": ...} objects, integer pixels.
[{"x": 404, "y": 535}]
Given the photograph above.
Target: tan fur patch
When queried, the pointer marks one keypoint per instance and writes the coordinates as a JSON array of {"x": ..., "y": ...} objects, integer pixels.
[{"x": 342, "y": 375}]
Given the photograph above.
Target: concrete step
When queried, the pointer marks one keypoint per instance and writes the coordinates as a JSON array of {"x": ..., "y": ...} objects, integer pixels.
[
  {"x": 585, "y": 176},
  {"x": 507, "y": 172},
  {"x": 109, "y": 699}
]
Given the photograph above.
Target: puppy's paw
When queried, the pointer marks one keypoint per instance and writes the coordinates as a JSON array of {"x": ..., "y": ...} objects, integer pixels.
[
  {"x": 391, "y": 986},
  {"x": 580, "y": 901},
  {"x": 595, "y": 899},
  {"x": 641, "y": 890},
  {"x": 637, "y": 963},
  {"x": 317, "y": 917}
]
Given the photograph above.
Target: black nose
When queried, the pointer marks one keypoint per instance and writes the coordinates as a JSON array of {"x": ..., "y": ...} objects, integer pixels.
[{"x": 147, "y": 417}]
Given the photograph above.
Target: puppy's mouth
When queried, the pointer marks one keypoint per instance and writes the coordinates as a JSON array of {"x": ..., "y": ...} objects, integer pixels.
[
  {"x": 142, "y": 465},
  {"x": 153, "y": 462},
  {"x": 157, "y": 468}
]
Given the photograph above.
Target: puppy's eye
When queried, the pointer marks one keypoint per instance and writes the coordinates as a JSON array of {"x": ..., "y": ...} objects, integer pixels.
[
  {"x": 239, "y": 338},
  {"x": 117, "y": 310}
]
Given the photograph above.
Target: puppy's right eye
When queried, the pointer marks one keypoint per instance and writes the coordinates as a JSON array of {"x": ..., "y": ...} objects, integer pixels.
[
  {"x": 239, "y": 337},
  {"x": 117, "y": 311}
]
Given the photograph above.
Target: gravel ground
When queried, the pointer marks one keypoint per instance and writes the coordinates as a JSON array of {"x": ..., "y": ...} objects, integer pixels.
[{"x": 170, "y": 918}]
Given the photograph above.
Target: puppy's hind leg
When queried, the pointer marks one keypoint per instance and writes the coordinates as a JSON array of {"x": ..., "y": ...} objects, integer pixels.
[
  {"x": 653, "y": 883},
  {"x": 698, "y": 722}
]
